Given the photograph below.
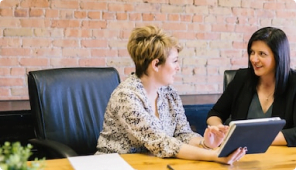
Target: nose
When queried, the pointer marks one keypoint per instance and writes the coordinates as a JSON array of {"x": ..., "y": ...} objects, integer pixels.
[
  {"x": 254, "y": 58},
  {"x": 178, "y": 67}
]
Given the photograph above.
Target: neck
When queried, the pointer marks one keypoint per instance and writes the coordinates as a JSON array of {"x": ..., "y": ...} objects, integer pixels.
[
  {"x": 150, "y": 86},
  {"x": 266, "y": 82}
]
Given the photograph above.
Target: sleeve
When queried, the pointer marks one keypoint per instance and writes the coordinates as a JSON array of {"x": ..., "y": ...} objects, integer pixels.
[
  {"x": 222, "y": 108},
  {"x": 290, "y": 132},
  {"x": 183, "y": 131},
  {"x": 290, "y": 136},
  {"x": 139, "y": 123}
]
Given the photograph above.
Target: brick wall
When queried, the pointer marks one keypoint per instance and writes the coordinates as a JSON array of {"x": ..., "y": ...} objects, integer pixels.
[{"x": 41, "y": 34}]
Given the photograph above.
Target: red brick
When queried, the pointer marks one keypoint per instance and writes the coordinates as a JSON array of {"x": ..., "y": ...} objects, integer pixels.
[
  {"x": 265, "y": 13},
  {"x": 34, "y": 3},
  {"x": 34, "y": 61},
  {"x": 229, "y": 3},
  {"x": 286, "y": 14},
  {"x": 66, "y": 14},
  {"x": 78, "y": 33},
  {"x": 174, "y": 17},
  {"x": 109, "y": 15},
  {"x": 18, "y": 71},
  {"x": 197, "y": 18},
  {"x": 94, "y": 43},
  {"x": 15, "y": 52},
  {"x": 6, "y": 12},
  {"x": 145, "y": 7},
  {"x": 63, "y": 62},
  {"x": 10, "y": 3},
  {"x": 4, "y": 71},
  {"x": 135, "y": 16},
  {"x": 122, "y": 16},
  {"x": 64, "y": 4},
  {"x": 36, "y": 42},
  {"x": 51, "y": 13},
  {"x": 129, "y": 70},
  {"x": 220, "y": 11},
  {"x": 21, "y": 13},
  {"x": 245, "y": 12},
  {"x": 33, "y": 23},
  {"x": 95, "y": 62},
  {"x": 65, "y": 43},
  {"x": 36, "y": 12},
  {"x": 186, "y": 18},
  {"x": 123, "y": 25},
  {"x": 99, "y": 6},
  {"x": 183, "y": 2},
  {"x": 76, "y": 52},
  {"x": 8, "y": 61},
  {"x": 185, "y": 35},
  {"x": 11, "y": 82},
  {"x": 119, "y": 62},
  {"x": 206, "y": 2},
  {"x": 65, "y": 23},
  {"x": 120, "y": 7},
  {"x": 197, "y": 10},
  {"x": 123, "y": 53},
  {"x": 94, "y": 15},
  {"x": 223, "y": 28},
  {"x": 274, "y": 5},
  {"x": 46, "y": 52},
  {"x": 148, "y": 17},
  {"x": 108, "y": 34},
  {"x": 94, "y": 24},
  {"x": 19, "y": 91},
  {"x": 172, "y": 9},
  {"x": 160, "y": 17},
  {"x": 10, "y": 42},
  {"x": 104, "y": 53},
  {"x": 40, "y": 32},
  {"x": 4, "y": 93},
  {"x": 79, "y": 14},
  {"x": 174, "y": 26},
  {"x": 9, "y": 22}
]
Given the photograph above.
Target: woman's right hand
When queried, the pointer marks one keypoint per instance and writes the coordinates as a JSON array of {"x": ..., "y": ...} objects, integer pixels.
[{"x": 233, "y": 157}]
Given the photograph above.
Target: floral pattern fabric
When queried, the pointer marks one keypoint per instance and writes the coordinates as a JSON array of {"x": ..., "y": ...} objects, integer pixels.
[{"x": 130, "y": 125}]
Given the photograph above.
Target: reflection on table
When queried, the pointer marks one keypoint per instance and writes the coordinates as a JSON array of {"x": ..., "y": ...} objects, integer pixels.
[{"x": 276, "y": 157}]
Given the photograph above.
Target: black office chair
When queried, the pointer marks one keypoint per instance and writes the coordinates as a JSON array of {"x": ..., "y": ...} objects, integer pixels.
[
  {"x": 68, "y": 106},
  {"x": 228, "y": 77}
]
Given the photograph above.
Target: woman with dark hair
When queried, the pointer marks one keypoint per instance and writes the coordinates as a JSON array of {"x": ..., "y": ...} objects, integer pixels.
[{"x": 267, "y": 88}]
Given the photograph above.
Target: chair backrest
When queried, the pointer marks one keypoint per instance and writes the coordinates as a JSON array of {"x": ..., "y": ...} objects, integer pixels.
[
  {"x": 68, "y": 104},
  {"x": 228, "y": 77}
]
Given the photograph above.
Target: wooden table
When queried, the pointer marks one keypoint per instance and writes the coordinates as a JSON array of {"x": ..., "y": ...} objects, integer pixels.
[{"x": 276, "y": 158}]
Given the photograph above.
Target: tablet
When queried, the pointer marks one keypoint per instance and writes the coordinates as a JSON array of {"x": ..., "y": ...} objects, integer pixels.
[{"x": 255, "y": 134}]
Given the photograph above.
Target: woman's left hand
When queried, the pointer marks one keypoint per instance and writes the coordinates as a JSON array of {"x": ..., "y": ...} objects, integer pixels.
[{"x": 214, "y": 135}]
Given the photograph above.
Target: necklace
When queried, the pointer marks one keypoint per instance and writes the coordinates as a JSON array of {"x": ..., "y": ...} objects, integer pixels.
[{"x": 267, "y": 98}]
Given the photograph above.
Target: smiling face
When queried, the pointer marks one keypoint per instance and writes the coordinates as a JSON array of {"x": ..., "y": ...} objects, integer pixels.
[
  {"x": 262, "y": 59},
  {"x": 168, "y": 70}
]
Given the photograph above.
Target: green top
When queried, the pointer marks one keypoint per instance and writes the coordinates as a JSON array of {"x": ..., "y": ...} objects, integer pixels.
[{"x": 255, "y": 109}]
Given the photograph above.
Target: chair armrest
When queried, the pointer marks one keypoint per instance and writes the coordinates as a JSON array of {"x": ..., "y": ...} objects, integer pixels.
[{"x": 53, "y": 148}]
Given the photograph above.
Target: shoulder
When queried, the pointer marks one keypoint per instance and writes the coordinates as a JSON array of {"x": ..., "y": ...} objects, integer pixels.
[
  {"x": 242, "y": 74},
  {"x": 131, "y": 86},
  {"x": 243, "y": 71},
  {"x": 292, "y": 77},
  {"x": 170, "y": 93}
]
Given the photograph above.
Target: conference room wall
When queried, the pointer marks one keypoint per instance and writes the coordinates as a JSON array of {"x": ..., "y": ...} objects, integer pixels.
[{"x": 42, "y": 34}]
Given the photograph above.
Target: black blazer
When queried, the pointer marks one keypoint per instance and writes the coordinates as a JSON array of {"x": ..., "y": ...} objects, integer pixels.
[{"x": 236, "y": 100}]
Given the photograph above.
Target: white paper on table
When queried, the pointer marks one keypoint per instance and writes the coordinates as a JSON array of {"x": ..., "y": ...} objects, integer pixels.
[{"x": 100, "y": 162}]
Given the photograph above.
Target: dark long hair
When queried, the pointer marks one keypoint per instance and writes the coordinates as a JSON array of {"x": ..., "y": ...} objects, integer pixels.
[{"x": 278, "y": 42}]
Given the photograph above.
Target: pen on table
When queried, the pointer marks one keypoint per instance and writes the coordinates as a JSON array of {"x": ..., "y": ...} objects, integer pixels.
[{"x": 170, "y": 167}]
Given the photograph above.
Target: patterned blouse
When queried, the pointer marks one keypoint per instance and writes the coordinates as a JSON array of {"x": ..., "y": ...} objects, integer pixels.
[{"x": 130, "y": 125}]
